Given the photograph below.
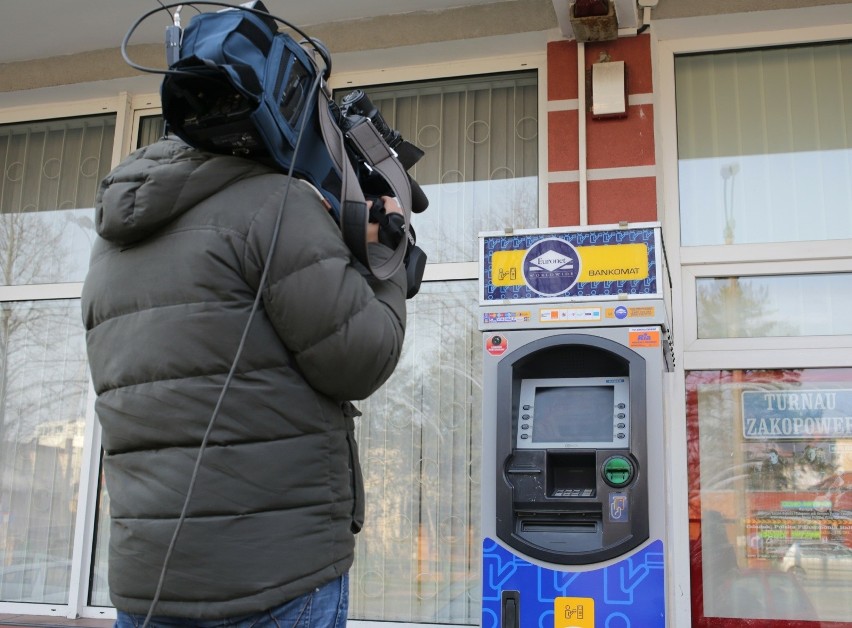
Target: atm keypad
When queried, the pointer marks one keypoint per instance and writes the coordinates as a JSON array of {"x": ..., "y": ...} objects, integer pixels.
[{"x": 574, "y": 492}]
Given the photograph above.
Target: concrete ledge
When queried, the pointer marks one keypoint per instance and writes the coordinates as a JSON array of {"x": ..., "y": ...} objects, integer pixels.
[
  {"x": 43, "y": 621},
  {"x": 392, "y": 31}
]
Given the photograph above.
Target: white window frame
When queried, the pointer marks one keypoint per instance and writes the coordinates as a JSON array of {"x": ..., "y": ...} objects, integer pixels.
[
  {"x": 87, "y": 494},
  {"x": 741, "y": 31},
  {"x": 688, "y": 263},
  {"x": 767, "y": 352},
  {"x": 716, "y": 34}
]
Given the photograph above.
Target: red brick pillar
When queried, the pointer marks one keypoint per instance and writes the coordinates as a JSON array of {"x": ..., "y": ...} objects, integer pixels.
[{"x": 620, "y": 158}]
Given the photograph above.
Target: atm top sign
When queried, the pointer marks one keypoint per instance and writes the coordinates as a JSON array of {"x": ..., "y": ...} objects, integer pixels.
[{"x": 571, "y": 265}]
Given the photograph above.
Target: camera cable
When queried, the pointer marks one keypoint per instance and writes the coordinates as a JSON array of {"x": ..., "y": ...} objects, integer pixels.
[{"x": 231, "y": 371}]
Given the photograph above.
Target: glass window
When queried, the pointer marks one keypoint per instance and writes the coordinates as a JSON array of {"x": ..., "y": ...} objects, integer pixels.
[
  {"x": 51, "y": 171},
  {"x": 150, "y": 130},
  {"x": 417, "y": 558},
  {"x": 43, "y": 392},
  {"x": 770, "y": 496},
  {"x": 774, "y": 305},
  {"x": 763, "y": 154}
]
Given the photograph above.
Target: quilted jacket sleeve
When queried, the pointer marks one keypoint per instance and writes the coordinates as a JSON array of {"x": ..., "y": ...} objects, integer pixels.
[{"x": 344, "y": 330}]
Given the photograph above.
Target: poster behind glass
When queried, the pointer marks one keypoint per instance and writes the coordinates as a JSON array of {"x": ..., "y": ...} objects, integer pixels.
[{"x": 773, "y": 494}]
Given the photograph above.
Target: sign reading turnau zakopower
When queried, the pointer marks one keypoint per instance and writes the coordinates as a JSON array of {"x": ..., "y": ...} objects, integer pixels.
[
  {"x": 797, "y": 414},
  {"x": 572, "y": 264}
]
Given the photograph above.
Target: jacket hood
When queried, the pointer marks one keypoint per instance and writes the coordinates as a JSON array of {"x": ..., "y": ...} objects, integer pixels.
[{"x": 158, "y": 183}]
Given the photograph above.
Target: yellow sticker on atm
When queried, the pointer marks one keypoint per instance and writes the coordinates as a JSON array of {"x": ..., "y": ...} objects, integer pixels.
[{"x": 574, "y": 612}]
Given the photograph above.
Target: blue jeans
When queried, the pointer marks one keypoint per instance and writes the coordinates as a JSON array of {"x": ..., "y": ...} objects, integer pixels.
[{"x": 325, "y": 607}]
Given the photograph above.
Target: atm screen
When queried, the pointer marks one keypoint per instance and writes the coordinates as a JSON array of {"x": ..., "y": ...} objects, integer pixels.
[
  {"x": 578, "y": 412},
  {"x": 581, "y": 414}
]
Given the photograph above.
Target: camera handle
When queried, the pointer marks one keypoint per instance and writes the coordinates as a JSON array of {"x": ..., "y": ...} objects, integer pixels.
[
  {"x": 391, "y": 230},
  {"x": 354, "y": 214}
]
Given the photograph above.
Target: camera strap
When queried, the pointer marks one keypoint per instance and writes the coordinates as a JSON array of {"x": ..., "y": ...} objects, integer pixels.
[{"x": 354, "y": 214}]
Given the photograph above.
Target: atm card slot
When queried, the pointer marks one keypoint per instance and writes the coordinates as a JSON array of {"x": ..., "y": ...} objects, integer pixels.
[{"x": 571, "y": 527}]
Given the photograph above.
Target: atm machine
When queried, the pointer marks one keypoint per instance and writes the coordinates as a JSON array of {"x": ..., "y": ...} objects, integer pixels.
[{"x": 576, "y": 341}]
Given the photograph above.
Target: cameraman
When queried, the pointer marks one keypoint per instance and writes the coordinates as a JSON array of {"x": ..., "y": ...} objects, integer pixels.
[{"x": 268, "y": 537}]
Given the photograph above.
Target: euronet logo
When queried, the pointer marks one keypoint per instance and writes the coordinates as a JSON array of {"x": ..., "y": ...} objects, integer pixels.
[
  {"x": 552, "y": 261},
  {"x": 551, "y": 267}
]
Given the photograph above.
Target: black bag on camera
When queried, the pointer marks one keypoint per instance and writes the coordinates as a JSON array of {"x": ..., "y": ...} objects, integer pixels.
[{"x": 240, "y": 87}]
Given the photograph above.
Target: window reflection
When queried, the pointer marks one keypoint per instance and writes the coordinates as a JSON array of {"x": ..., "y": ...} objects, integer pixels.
[
  {"x": 770, "y": 494},
  {"x": 776, "y": 305},
  {"x": 50, "y": 174},
  {"x": 789, "y": 197},
  {"x": 417, "y": 556},
  {"x": 42, "y": 421},
  {"x": 99, "y": 591},
  {"x": 762, "y": 154}
]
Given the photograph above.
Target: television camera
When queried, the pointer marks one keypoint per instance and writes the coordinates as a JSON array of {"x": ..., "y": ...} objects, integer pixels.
[{"x": 236, "y": 85}]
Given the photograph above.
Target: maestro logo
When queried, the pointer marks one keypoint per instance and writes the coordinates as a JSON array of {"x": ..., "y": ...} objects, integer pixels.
[{"x": 551, "y": 267}]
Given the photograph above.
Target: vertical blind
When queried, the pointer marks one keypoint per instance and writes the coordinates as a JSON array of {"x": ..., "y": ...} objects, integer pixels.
[
  {"x": 480, "y": 170},
  {"x": 417, "y": 558},
  {"x": 765, "y": 144}
]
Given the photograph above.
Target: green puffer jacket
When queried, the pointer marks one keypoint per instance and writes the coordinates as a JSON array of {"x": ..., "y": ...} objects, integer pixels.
[{"x": 183, "y": 240}]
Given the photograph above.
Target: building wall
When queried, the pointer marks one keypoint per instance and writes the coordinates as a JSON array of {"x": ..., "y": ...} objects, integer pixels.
[
  {"x": 614, "y": 179},
  {"x": 613, "y": 158}
]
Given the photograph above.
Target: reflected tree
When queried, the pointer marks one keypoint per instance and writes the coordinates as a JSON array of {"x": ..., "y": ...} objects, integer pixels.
[
  {"x": 43, "y": 381},
  {"x": 416, "y": 558},
  {"x": 729, "y": 308}
]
